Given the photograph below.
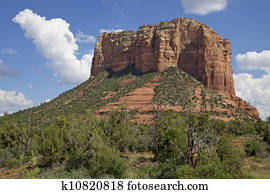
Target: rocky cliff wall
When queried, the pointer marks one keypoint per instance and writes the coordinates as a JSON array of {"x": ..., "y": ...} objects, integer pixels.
[
  {"x": 188, "y": 44},
  {"x": 184, "y": 43}
]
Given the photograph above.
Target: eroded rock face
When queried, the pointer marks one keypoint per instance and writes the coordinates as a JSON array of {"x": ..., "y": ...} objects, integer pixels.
[
  {"x": 184, "y": 43},
  {"x": 247, "y": 107}
]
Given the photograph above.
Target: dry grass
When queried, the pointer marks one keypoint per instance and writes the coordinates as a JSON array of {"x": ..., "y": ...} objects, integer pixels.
[
  {"x": 259, "y": 168},
  {"x": 140, "y": 164},
  {"x": 11, "y": 173}
]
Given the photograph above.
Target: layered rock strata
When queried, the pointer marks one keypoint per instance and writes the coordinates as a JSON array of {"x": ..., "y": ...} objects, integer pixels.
[
  {"x": 187, "y": 44},
  {"x": 183, "y": 43}
]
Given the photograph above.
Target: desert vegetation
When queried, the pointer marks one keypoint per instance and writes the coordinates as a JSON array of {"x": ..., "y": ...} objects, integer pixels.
[{"x": 176, "y": 146}]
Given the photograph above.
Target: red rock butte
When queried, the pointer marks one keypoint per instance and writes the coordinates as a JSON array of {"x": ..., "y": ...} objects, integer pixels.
[{"x": 184, "y": 43}]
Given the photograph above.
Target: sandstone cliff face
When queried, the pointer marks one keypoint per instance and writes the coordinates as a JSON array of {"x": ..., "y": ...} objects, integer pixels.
[{"x": 184, "y": 43}]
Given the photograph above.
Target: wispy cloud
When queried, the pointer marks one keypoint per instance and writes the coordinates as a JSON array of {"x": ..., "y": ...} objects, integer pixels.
[
  {"x": 10, "y": 51},
  {"x": 6, "y": 71},
  {"x": 110, "y": 30},
  {"x": 84, "y": 38},
  {"x": 30, "y": 86},
  {"x": 117, "y": 5},
  {"x": 203, "y": 7}
]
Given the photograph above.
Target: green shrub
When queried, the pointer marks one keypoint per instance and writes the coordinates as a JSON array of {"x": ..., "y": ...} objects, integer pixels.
[
  {"x": 13, "y": 163},
  {"x": 253, "y": 147},
  {"x": 186, "y": 172},
  {"x": 5, "y": 156},
  {"x": 234, "y": 167},
  {"x": 268, "y": 120},
  {"x": 238, "y": 128},
  {"x": 105, "y": 160},
  {"x": 268, "y": 149},
  {"x": 266, "y": 136},
  {"x": 31, "y": 173},
  {"x": 118, "y": 129},
  {"x": 224, "y": 148},
  {"x": 139, "y": 139},
  {"x": 75, "y": 159},
  {"x": 52, "y": 142},
  {"x": 89, "y": 148},
  {"x": 219, "y": 126},
  {"x": 164, "y": 170},
  {"x": 212, "y": 170},
  {"x": 172, "y": 140},
  {"x": 9, "y": 136},
  {"x": 261, "y": 127}
]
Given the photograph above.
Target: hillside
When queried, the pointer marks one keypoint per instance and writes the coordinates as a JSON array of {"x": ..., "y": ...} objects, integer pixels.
[
  {"x": 59, "y": 141},
  {"x": 174, "y": 89}
]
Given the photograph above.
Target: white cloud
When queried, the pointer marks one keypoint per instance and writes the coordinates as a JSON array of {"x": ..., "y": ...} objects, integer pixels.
[
  {"x": 56, "y": 43},
  {"x": 254, "y": 90},
  {"x": 254, "y": 60},
  {"x": 10, "y": 51},
  {"x": 84, "y": 38},
  {"x": 12, "y": 101},
  {"x": 203, "y": 7},
  {"x": 6, "y": 71},
  {"x": 110, "y": 30}
]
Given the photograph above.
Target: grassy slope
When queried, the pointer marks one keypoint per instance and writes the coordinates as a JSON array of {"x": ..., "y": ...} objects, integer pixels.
[{"x": 176, "y": 88}]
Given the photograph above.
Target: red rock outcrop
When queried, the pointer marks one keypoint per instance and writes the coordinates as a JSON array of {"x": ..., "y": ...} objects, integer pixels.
[
  {"x": 188, "y": 44},
  {"x": 241, "y": 104}
]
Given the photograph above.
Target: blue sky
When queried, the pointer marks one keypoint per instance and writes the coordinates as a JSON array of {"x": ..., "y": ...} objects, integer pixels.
[{"x": 30, "y": 72}]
